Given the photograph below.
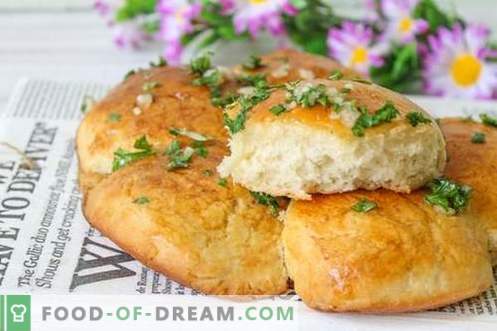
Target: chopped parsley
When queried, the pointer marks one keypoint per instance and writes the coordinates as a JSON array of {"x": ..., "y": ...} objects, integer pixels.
[
  {"x": 448, "y": 196},
  {"x": 123, "y": 157},
  {"x": 178, "y": 157},
  {"x": 200, "y": 149},
  {"x": 278, "y": 109},
  {"x": 129, "y": 74},
  {"x": 364, "y": 205},
  {"x": 187, "y": 133},
  {"x": 478, "y": 138},
  {"x": 222, "y": 182},
  {"x": 308, "y": 95},
  {"x": 362, "y": 81},
  {"x": 200, "y": 65},
  {"x": 383, "y": 115},
  {"x": 257, "y": 81},
  {"x": 335, "y": 75},
  {"x": 267, "y": 200},
  {"x": 207, "y": 173},
  {"x": 143, "y": 200},
  {"x": 114, "y": 117},
  {"x": 211, "y": 78},
  {"x": 246, "y": 103},
  {"x": 161, "y": 62},
  {"x": 254, "y": 62},
  {"x": 489, "y": 120},
  {"x": 149, "y": 86},
  {"x": 414, "y": 118}
]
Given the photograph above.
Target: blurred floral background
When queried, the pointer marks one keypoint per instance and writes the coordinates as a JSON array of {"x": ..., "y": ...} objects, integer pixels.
[{"x": 412, "y": 46}]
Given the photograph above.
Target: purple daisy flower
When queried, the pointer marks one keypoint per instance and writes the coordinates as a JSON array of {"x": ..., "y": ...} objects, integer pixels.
[
  {"x": 352, "y": 45},
  {"x": 176, "y": 20},
  {"x": 401, "y": 26},
  {"x": 255, "y": 15},
  {"x": 457, "y": 66}
]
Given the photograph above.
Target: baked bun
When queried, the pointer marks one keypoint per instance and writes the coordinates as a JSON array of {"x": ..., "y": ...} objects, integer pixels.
[
  {"x": 290, "y": 149},
  {"x": 401, "y": 256},
  {"x": 475, "y": 165},
  {"x": 117, "y": 122},
  {"x": 182, "y": 223}
]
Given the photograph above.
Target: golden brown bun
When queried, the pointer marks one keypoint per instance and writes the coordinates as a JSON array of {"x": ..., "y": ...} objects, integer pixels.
[
  {"x": 476, "y": 166},
  {"x": 177, "y": 103},
  {"x": 313, "y": 150},
  {"x": 215, "y": 239},
  {"x": 402, "y": 256}
]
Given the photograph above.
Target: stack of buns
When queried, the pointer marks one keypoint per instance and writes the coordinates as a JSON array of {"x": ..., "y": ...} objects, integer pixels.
[{"x": 261, "y": 194}]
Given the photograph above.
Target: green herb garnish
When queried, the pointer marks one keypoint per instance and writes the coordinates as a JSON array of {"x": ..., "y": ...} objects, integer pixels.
[
  {"x": 222, "y": 182},
  {"x": 414, "y": 118},
  {"x": 267, "y": 200},
  {"x": 123, "y": 157},
  {"x": 257, "y": 81},
  {"x": 207, "y": 173},
  {"x": 308, "y": 95},
  {"x": 254, "y": 62},
  {"x": 278, "y": 109},
  {"x": 129, "y": 74},
  {"x": 364, "y": 205},
  {"x": 478, "y": 138},
  {"x": 335, "y": 75},
  {"x": 489, "y": 120},
  {"x": 200, "y": 65},
  {"x": 362, "y": 81},
  {"x": 141, "y": 200},
  {"x": 187, "y": 133},
  {"x": 114, "y": 117},
  {"x": 161, "y": 62},
  {"x": 178, "y": 157},
  {"x": 246, "y": 103},
  {"x": 383, "y": 115},
  {"x": 448, "y": 195},
  {"x": 200, "y": 149}
]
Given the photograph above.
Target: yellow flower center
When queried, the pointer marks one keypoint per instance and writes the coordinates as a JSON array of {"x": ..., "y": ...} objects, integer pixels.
[
  {"x": 359, "y": 56},
  {"x": 257, "y": 2},
  {"x": 405, "y": 25},
  {"x": 466, "y": 70}
]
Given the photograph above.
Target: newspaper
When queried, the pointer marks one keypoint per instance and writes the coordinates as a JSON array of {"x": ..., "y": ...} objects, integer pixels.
[{"x": 46, "y": 245}]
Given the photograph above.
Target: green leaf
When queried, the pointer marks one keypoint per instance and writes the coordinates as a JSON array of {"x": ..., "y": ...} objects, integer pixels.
[
  {"x": 132, "y": 8},
  {"x": 430, "y": 12}
]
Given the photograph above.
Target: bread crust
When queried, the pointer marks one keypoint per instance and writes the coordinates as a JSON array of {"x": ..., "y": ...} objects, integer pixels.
[
  {"x": 193, "y": 230},
  {"x": 476, "y": 166},
  {"x": 402, "y": 256},
  {"x": 394, "y": 155}
]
